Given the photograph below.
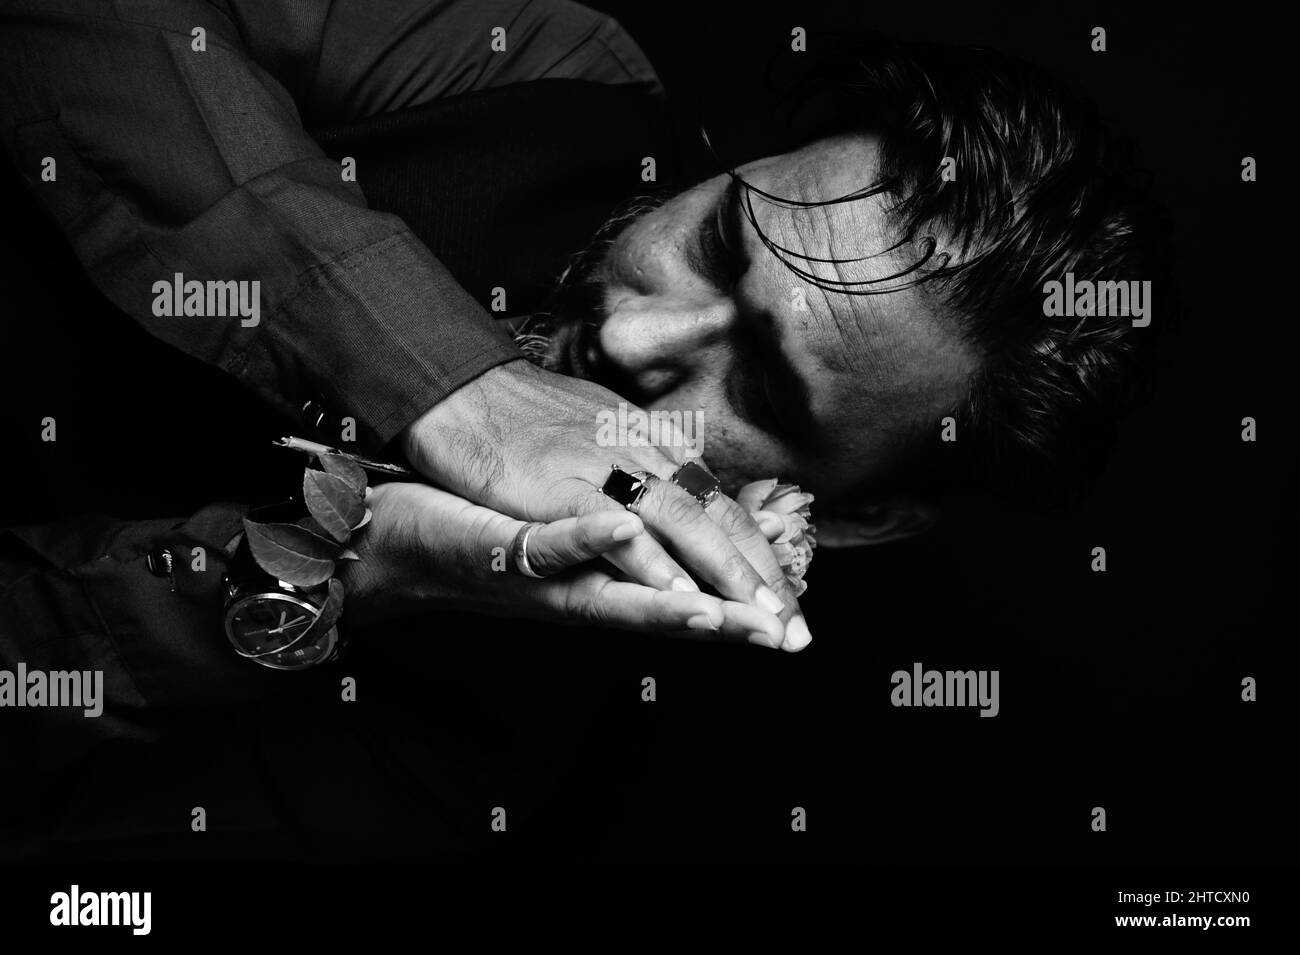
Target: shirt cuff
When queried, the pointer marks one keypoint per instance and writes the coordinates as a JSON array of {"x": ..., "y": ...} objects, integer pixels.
[{"x": 379, "y": 334}]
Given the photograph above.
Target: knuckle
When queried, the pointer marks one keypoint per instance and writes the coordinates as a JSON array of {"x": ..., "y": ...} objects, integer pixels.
[
  {"x": 736, "y": 567},
  {"x": 779, "y": 582},
  {"x": 676, "y": 506},
  {"x": 595, "y": 609},
  {"x": 579, "y": 601},
  {"x": 734, "y": 520},
  {"x": 583, "y": 540},
  {"x": 582, "y": 501},
  {"x": 543, "y": 558},
  {"x": 647, "y": 558},
  {"x": 565, "y": 490}
]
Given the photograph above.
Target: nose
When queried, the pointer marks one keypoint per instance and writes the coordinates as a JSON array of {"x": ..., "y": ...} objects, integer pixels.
[{"x": 658, "y": 343}]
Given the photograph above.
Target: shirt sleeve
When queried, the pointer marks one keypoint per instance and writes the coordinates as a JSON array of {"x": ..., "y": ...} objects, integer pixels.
[
  {"x": 168, "y": 153},
  {"x": 78, "y": 596}
]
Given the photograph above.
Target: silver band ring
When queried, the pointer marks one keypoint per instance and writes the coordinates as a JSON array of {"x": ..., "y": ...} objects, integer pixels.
[{"x": 519, "y": 550}]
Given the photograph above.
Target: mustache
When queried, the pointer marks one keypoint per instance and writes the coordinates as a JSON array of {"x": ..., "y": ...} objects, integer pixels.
[{"x": 578, "y": 294}]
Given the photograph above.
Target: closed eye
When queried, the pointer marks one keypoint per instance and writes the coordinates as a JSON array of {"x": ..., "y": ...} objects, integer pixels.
[
  {"x": 764, "y": 389},
  {"x": 751, "y": 398},
  {"x": 727, "y": 226},
  {"x": 716, "y": 254}
]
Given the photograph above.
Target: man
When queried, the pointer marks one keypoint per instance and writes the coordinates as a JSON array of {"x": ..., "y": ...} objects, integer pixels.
[{"x": 824, "y": 310}]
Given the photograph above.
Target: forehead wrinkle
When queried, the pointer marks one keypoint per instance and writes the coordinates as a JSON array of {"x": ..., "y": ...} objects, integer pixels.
[
  {"x": 843, "y": 307},
  {"x": 858, "y": 319},
  {"x": 804, "y": 221},
  {"x": 858, "y": 347},
  {"x": 796, "y": 230}
]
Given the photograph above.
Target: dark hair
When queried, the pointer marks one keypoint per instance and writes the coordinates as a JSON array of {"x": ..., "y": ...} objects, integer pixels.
[{"x": 1040, "y": 190}]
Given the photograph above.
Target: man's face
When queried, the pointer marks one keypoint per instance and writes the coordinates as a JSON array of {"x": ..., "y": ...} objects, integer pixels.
[{"x": 688, "y": 311}]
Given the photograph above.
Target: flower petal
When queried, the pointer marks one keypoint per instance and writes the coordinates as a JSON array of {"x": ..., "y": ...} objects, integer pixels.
[
  {"x": 751, "y": 496},
  {"x": 788, "y": 499}
]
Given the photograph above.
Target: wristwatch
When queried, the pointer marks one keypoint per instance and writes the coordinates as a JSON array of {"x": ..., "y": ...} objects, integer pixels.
[{"x": 267, "y": 620}]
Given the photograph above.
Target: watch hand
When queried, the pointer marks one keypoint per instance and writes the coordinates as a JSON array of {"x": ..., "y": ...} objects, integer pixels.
[
  {"x": 292, "y": 623},
  {"x": 283, "y": 614}
]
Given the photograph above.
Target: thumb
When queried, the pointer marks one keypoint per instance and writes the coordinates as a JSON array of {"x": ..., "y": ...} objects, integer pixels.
[{"x": 571, "y": 541}]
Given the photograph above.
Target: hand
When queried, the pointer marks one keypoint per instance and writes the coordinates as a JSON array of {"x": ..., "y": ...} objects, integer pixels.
[
  {"x": 522, "y": 441},
  {"x": 425, "y": 549}
]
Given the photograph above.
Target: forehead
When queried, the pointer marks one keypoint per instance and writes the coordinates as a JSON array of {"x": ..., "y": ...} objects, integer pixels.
[
  {"x": 878, "y": 355},
  {"x": 821, "y": 171}
]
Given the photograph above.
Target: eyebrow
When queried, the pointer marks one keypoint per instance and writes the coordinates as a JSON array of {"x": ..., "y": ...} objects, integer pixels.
[
  {"x": 703, "y": 255},
  {"x": 785, "y": 389},
  {"x": 729, "y": 215}
]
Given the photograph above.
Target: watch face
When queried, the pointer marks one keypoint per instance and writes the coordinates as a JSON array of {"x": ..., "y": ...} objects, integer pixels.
[{"x": 269, "y": 627}]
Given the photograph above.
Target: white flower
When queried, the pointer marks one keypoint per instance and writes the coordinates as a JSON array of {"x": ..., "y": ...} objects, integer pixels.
[{"x": 794, "y": 545}]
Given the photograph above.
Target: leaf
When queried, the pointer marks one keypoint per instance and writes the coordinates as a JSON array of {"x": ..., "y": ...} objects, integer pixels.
[
  {"x": 365, "y": 519},
  {"x": 288, "y": 552},
  {"x": 329, "y": 612},
  {"x": 348, "y": 555},
  {"x": 309, "y": 523},
  {"x": 340, "y": 465},
  {"x": 333, "y": 502}
]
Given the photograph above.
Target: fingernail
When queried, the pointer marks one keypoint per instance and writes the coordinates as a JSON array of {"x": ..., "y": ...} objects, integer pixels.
[
  {"x": 769, "y": 523},
  {"x": 701, "y": 621},
  {"x": 797, "y": 634},
  {"x": 763, "y": 639},
  {"x": 625, "y": 531},
  {"x": 684, "y": 585},
  {"x": 767, "y": 600}
]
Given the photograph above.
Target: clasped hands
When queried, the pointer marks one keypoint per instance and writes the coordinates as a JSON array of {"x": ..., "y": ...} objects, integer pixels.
[{"x": 518, "y": 444}]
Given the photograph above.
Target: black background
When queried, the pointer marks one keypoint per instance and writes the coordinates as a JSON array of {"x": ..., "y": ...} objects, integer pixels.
[{"x": 1119, "y": 690}]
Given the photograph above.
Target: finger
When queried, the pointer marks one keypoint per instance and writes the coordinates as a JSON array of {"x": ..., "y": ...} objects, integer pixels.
[
  {"x": 751, "y": 541},
  {"x": 597, "y": 599},
  {"x": 755, "y": 543},
  {"x": 677, "y": 518},
  {"x": 770, "y": 524},
  {"x": 742, "y": 527},
  {"x": 566, "y": 543},
  {"x": 743, "y": 623},
  {"x": 657, "y": 460},
  {"x": 743, "y": 531},
  {"x": 642, "y": 558},
  {"x": 594, "y": 598}
]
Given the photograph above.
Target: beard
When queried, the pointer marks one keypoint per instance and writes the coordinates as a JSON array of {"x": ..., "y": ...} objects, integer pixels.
[{"x": 551, "y": 338}]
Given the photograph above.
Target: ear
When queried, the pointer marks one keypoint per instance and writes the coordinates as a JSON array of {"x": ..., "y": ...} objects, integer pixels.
[{"x": 876, "y": 523}]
